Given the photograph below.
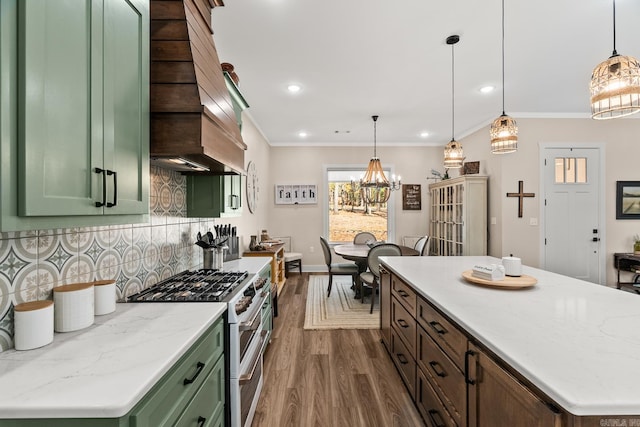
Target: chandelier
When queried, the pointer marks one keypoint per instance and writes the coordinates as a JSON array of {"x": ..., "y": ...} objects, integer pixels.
[
  {"x": 453, "y": 154},
  {"x": 615, "y": 84},
  {"x": 374, "y": 185},
  {"x": 504, "y": 131}
]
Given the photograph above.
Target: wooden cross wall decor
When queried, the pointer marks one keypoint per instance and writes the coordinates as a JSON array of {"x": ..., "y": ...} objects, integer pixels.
[{"x": 521, "y": 195}]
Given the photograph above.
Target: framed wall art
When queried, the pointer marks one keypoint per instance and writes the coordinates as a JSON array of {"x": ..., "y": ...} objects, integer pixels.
[
  {"x": 411, "y": 197},
  {"x": 296, "y": 194},
  {"x": 627, "y": 199}
]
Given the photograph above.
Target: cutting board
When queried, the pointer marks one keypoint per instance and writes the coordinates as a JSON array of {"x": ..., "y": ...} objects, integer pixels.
[{"x": 521, "y": 282}]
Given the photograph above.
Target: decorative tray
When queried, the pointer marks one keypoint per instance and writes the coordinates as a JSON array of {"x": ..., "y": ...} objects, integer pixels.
[{"x": 521, "y": 282}]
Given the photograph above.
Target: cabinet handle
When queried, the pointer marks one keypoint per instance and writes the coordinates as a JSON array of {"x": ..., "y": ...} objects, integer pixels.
[
  {"x": 437, "y": 422},
  {"x": 115, "y": 189},
  {"x": 104, "y": 187},
  {"x": 437, "y": 326},
  {"x": 466, "y": 367},
  {"x": 437, "y": 368},
  {"x": 199, "y": 368},
  {"x": 402, "y": 293},
  {"x": 201, "y": 421},
  {"x": 402, "y": 359},
  {"x": 402, "y": 323}
]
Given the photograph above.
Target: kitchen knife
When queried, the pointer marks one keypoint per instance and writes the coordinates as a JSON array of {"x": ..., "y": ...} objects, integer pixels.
[{"x": 210, "y": 237}]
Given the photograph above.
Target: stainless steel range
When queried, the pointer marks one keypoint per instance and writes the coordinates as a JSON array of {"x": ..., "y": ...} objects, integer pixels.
[{"x": 245, "y": 337}]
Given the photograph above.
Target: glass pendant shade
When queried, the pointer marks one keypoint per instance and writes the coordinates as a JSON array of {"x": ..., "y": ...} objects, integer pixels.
[
  {"x": 453, "y": 155},
  {"x": 615, "y": 88},
  {"x": 504, "y": 135},
  {"x": 374, "y": 184}
]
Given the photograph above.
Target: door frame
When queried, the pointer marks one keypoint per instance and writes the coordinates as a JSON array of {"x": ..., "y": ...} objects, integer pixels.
[{"x": 601, "y": 147}]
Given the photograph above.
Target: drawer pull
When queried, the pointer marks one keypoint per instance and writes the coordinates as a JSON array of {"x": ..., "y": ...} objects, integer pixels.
[
  {"x": 437, "y": 326},
  {"x": 403, "y": 293},
  {"x": 201, "y": 421},
  {"x": 439, "y": 422},
  {"x": 199, "y": 367},
  {"x": 402, "y": 358},
  {"x": 402, "y": 323},
  {"x": 437, "y": 368},
  {"x": 466, "y": 367}
]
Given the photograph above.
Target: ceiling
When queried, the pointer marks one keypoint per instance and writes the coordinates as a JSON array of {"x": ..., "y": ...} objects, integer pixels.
[{"x": 358, "y": 58}]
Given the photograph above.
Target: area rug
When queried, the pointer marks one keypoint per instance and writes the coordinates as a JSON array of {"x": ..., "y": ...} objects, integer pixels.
[{"x": 341, "y": 310}]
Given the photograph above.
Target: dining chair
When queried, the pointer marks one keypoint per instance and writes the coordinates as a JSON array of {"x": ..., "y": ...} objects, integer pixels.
[
  {"x": 337, "y": 269},
  {"x": 371, "y": 278},
  {"x": 363, "y": 237},
  {"x": 422, "y": 246}
]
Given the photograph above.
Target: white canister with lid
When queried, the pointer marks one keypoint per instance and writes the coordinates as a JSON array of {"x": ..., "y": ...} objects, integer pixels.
[
  {"x": 104, "y": 296},
  {"x": 74, "y": 307},
  {"x": 512, "y": 266},
  {"x": 33, "y": 324}
]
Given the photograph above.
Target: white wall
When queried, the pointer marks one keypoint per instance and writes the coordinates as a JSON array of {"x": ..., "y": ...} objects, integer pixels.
[
  {"x": 305, "y": 165},
  {"x": 510, "y": 234},
  {"x": 621, "y": 139}
]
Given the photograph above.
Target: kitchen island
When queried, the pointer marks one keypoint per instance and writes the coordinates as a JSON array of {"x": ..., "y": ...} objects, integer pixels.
[
  {"x": 572, "y": 347},
  {"x": 102, "y": 372}
]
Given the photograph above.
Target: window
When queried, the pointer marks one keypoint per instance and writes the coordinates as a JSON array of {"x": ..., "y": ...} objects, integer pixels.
[
  {"x": 571, "y": 170},
  {"x": 347, "y": 213}
]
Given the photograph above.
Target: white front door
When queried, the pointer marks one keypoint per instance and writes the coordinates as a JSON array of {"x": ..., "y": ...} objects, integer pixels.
[{"x": 572, "y": 231}]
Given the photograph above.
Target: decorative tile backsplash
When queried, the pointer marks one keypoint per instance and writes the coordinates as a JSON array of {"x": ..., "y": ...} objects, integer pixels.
[{"x": 135, "y": 255}]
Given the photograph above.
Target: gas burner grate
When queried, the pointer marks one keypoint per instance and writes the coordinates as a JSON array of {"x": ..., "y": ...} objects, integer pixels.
[{"x": 192, "y": 286}]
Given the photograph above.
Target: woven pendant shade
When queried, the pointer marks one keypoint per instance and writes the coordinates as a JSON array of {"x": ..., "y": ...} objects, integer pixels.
[
  {"x": 453, "y": 155},
  {"x": 504, "y": 131},
  {"x": 504, "y": 135},
  {"x": 615, "y": 88}
]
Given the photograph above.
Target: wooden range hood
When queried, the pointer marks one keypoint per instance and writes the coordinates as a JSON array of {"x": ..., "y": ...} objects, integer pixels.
[{"x": 192, "y": 117}]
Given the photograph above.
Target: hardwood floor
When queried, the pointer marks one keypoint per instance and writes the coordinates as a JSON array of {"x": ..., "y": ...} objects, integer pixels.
[{"x": 328, "y": 378}]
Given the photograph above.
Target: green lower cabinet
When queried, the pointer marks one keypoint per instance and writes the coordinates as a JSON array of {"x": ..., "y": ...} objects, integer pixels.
[
  {"x": 207, "y": 405},
  {"x": 267, "y": 307},
  {"x": 192, "y": 390},
  {"x": 214, "y": 196}
]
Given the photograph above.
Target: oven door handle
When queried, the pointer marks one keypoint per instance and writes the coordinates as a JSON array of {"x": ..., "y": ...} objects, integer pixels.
[
  {"x": 245, "y": 326},
  {"x": 247, "y": 378}
]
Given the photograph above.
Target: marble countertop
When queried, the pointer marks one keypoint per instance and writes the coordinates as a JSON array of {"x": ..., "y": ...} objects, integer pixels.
[
  {"x": 576, "y": 341},
  {"x": 104, "y": 370}
]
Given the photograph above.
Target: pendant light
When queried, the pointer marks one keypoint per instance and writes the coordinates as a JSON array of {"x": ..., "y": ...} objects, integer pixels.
[
  {"x": 615, "y": 84},
  {"x": 374, "y": 184},
  {"x": 504, "y": 131},
  {"x": 453, "y": 154}
]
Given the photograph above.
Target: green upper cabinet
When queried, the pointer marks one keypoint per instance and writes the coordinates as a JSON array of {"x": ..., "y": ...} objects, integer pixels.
[
  {"x": 81, "y": 107},
  {"x": 75, "y": 132},
  {"x": 214, "y": 196}
]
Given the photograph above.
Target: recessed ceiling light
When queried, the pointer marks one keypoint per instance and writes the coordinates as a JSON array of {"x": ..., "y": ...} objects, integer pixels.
[
  {"x": 487, "y": 89},
  {"x": 294, "y": 88},
  {"x": 302, "y": 134},
  {"x": 424, "y": 134}
]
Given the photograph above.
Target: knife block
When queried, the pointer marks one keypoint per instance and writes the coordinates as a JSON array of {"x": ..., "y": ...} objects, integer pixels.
[{"x": 234, "y": 249}]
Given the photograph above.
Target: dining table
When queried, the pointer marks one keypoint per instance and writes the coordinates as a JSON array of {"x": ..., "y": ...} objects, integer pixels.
[{"x": 358, "y": 253}]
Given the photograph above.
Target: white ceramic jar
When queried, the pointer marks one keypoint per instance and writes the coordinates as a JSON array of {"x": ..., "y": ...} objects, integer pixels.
[
  {"x": 104, "y": 292},
  {"x": 33, "y": 324},
  {"x": 512, "y": 266},
  {"x": 74, "y": 306}
]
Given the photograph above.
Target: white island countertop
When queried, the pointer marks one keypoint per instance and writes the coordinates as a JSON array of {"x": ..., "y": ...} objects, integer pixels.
[
  {"x": 576, "y": 341},
  {"x": 102, "y": 371}
]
